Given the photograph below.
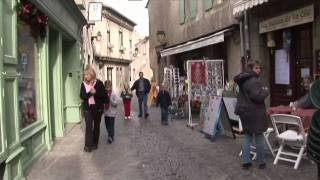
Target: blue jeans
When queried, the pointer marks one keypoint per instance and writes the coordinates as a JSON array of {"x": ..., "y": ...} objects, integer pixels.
[
  {"x": 164, "y": 115},
  {"x": 260, "y": 147},
  {"x": 143, "y": 99}
]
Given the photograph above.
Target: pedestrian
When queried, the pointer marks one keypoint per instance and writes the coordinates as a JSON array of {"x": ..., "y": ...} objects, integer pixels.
[
  {"x": 164, "y": 100},
  {"x": 93, "y": 97},
  {"x": 142, "y": 87},
  {"x": 251, "y": 109},
  {"x": 126, "y": 96},
  {"x": 110, "y": 110}
]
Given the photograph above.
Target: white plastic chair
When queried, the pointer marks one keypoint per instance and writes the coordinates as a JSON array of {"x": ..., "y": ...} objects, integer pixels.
[{"x": 289, "y": 137}]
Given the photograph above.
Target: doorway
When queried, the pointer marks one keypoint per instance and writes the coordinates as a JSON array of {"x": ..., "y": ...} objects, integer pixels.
[
  {"x": 290, "y": 62},
  {"x": 55, "y": 86},
  {"x": 71, "y": 81}
]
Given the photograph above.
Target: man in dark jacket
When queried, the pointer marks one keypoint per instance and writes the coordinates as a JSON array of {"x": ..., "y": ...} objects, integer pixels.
[
  {"x": 252, "y": 112},
  {"x": 164, "y": 100},
  {"x": 142, "y": 87},
  {"x": 305, "y": 101}
]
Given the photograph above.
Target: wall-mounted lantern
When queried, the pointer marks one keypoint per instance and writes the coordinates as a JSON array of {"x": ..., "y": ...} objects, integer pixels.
[
  {"x": 97, "y": 37},
  {"x": 136, "y": 51},
  {"x": 161, "y": 37}
]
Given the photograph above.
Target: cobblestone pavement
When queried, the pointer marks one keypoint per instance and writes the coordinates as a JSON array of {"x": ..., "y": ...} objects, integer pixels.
[{"x": 145, "y": 150}]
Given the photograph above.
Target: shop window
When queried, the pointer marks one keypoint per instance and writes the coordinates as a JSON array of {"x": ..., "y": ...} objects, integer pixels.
[
  {"x": 28, "y": 83},
  {"x": 193, "y": 6},
  {"x": 121, "y": 38},
  {"x": 208, "y": 4},
  {"x": 130, "y": 42},
  {"x": 108, "y": 36},
  {"x": 182, "y": 11},
  {"x": 109, "y": 74}
]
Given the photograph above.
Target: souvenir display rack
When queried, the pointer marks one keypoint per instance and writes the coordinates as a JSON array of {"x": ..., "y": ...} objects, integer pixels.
[
  {"x": 210, "y": 84},
  {"x": 172, "y": 80}
]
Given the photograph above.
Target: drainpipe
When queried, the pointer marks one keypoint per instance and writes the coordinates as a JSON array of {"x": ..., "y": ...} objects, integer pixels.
[
  {"x": 246, "y": 36},
  {"x": 242, "y": 50}
]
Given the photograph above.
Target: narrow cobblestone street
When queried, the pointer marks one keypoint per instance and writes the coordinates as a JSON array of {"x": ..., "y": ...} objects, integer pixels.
[{"x": 143, "y": 149}]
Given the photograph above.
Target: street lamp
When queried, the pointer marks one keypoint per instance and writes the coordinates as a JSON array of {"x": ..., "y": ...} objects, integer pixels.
[
  {"x": 136, "y": 51},
  {"x": 161, "y": 35},
  {"x": 97, "y": 37}
]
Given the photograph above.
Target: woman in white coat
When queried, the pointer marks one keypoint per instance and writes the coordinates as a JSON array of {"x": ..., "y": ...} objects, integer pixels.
[{"x": 110, "y": 110}]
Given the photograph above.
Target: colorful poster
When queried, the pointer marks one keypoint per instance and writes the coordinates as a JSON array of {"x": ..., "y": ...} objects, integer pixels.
[{"x": 198, "y": 74}]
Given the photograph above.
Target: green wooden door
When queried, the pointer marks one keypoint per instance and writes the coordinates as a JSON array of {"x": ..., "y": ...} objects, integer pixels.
[{"x": 8, "y": 79}]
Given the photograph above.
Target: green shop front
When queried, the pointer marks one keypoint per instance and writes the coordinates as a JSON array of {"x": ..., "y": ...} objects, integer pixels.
[{"x": 40, "y": 66}]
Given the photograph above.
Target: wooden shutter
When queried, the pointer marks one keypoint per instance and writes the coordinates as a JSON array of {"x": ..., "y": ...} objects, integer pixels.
[
  {"x": 193, "y": 8},
  {"x": 208, "y": 4},
  {"x": 182, "y": 11}
]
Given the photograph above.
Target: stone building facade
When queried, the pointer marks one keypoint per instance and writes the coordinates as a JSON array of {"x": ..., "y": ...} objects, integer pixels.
[
  {"x": 141, "y": 61},
  {"x": 209, "y": 25},
  {"x": 113, "y": 52}
]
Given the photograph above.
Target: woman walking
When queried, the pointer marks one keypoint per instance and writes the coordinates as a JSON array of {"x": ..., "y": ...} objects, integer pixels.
[
  {"x": 110, "y": 110},
  {"x": 252, "y": 111},
  {"x": 93, "y": 98}
]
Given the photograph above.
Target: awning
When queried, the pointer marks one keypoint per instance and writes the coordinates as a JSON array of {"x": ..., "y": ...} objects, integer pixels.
[
  {"x": 242, "y": 5},
  {"x": 199, "y": 43}
]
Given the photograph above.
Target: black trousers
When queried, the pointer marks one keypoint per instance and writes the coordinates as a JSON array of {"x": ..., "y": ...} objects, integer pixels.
[
  {"x": 109, "y": 121},
  {"x": 93, "y": 119},
  {"x": 318, "y": 171}
]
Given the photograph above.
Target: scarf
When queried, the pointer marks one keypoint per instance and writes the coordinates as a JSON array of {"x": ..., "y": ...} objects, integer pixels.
[
  {"x": 88, "y": 87},
  {"x": 107, "y": 106}
]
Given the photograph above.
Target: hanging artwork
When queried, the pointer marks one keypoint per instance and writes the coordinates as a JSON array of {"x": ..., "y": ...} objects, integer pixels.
[{"x": 198, "y": 73}]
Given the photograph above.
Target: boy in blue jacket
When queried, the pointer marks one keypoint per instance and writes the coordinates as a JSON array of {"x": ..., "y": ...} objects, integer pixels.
[{"x": 164, "y": 100}]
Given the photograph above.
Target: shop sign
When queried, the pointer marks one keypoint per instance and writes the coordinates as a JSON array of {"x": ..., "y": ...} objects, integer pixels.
[
  {"x": 95, "y": 11},
  {"x": 300, "y": 16}
]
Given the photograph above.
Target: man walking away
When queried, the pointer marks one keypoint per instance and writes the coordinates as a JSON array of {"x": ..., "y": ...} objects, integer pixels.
[
  {"x": 142, "y": 87},
  {"x": 164, "y": 100}
]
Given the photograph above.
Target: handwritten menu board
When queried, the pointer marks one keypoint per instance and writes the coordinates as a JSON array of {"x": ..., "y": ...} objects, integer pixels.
[
  {"x": 212, "y": 116},
  {"x": 282, "y": 69}
]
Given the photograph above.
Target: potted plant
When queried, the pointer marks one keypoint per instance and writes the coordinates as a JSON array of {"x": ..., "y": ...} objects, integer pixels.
[{"x": 230, "y": 98}]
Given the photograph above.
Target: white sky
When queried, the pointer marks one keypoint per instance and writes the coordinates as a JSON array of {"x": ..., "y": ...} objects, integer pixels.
[{"x": 134, "y": 10}]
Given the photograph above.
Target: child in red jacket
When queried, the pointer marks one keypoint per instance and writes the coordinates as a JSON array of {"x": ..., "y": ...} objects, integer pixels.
[{"x": 126, "y": 96}]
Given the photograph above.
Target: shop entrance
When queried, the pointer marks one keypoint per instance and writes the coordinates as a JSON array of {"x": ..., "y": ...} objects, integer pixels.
[
  {"x": 290, "y": 62},
  {"x": 71, "y": 82}
]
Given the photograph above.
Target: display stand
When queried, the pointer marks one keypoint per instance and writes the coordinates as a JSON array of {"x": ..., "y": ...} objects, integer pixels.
[
  {"x": 205, "y": 79},
  {"x": 172, "y": 79}
]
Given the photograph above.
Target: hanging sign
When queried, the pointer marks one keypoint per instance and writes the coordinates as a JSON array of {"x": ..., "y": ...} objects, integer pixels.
[
  {"x": 300, "y": 16},
  {"x": 95, "y": 11}
]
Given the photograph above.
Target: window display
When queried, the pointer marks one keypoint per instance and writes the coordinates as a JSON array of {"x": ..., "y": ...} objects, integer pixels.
[{"x": 28, "y": 82}]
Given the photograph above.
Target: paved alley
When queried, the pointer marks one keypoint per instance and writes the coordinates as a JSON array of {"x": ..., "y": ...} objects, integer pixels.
[{"x": 145, "y": 150}]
